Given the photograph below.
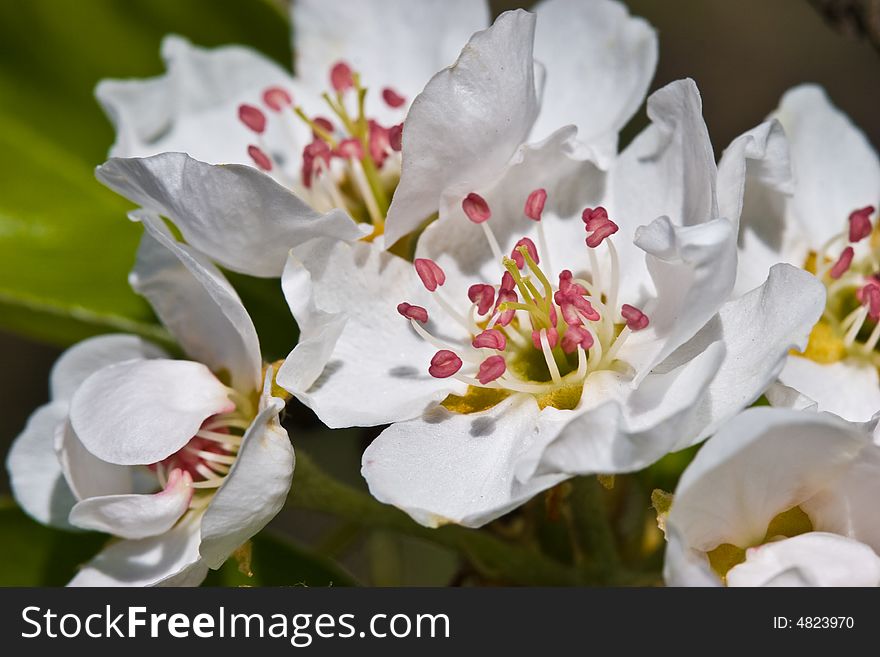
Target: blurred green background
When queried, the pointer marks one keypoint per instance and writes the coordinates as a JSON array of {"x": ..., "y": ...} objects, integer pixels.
[{"x": 56, "y": 220}]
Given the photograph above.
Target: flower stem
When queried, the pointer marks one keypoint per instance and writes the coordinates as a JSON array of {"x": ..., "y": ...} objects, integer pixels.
[{"x": 593, "y": 531}]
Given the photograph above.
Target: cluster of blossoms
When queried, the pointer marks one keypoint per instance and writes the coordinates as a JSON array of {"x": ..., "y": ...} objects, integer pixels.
[{"x": 573, "y": 310}]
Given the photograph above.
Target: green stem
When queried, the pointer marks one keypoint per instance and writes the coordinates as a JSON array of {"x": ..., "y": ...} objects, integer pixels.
[
  {"x": 494, "y": 558},
  {"x": 594, "y": 533}
]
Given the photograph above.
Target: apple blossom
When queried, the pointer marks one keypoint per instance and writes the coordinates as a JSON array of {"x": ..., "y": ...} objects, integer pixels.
[
  {"x": 539, "y": 340},
  {"x": 778, "y": 497},
  {"x": 183, "y": 460},
  {"x": 812, "y": 186}
]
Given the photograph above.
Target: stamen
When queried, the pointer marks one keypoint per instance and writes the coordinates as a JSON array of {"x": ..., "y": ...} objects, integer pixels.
[
  {"x": 277, "y": 99},
  {"x": 490, "y": 339},
  {"x": 430, "y": 272},
  {"x": 252, "y": 117},
  {"x": 860, "y": 223},
  {"x": 535, "y": 204},
  {"x": 260, "y": 158},
  {"x": 395, "y": 137},
  {"x": 444, "y": 364},
  {"x": 483, "y": 295},
  {"x": 350, "y": 149},
  {"x": 843, "y": 263},
  {"x": 491, "y": 368},
  {"x": 367, "y": 192},
  {"x": 547, "y": 348},
  {"x": 392, "y": 98},
  {"x": 410, "y": 311},
  {"x": 476, "y": 208},
  {"x": 635, "y": 319},
  {"x": 856, "y": 327},
  {"x": 341, "y": 77},
  {"x": 527, "y": 245},
  {"x": 576, "y": 337}
]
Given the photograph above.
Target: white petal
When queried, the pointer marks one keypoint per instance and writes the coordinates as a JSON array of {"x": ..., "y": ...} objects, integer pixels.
[
  {"x": 761, "y": 463},
  {"x": 849, "y": 388},
  {"x": 256, "y": 487},
  {"x": 377, "y": 370},
  {"x": 618, "y": 429},
  {"x": 86, "y": 474},
  {"x": 668, "y": 169},
  {"x": 693, "y": 269},
  {"x": 683, "y": 566},
  {"x": 455, "y": 468},
  {"x": 391, "y": 43},
  {"x": 193, "y": 107},
  {"x": 84, "y": 358},
  {"x": 140, "y": 411},
  {"x": 600, "y": 61},
  {"x": 468, "y": 122},
  {"x": 198, "y": 305},
  {"x": 759, "y": 330},
  {"x": 136, "y": 516},
  {"x": 170, "y": 559},
  {"x": 34, "y": 471},
  {"x": 836, "y": 169},
  {"x": 460, "y": 246},
  {"x": 234, "y": 214},
  {"x": 812, "y": 559}
]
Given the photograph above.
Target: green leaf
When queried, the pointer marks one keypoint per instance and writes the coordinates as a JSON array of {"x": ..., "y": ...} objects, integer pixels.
[
  {"x": 34, "y": 555},
  {"x": 65, "y": 244},
  {"x": 278, "y": 563}
]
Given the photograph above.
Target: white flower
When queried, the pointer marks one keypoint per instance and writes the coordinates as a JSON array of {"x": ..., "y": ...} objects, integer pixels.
[
  {"x": 592, "y": 66},
  {"x": 813, "y": 182},
  {"x": 184, "y": 460},
  {"x": 619, "y": 351},
  {"x": 779, "y": 498},
  {"x": 302, "y": 155}
]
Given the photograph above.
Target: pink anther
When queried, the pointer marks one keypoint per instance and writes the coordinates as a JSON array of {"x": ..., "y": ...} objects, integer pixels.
[
  {"x": 430, "y": 272},
  {"x": 410, "y": 311},
  {"x": 490, "y": 339},
  {"x": 444, "y": 364},
  {"x": 490, "y": 369},
  {"x": 476, "y": 208},
  {"x": 635, "y": 319},
  {"x": 535, "y": 204}
]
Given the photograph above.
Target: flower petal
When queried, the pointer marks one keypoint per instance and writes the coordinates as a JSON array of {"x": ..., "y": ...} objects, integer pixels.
[
  {"x": 456, "y": 468},
  {"x": 84, "y": 358},
  {"x": 377, "y": 370},
  {"x": 391, "y": 43},
  {"x": 136, "y": 516},
  {"x": 169, "y": 559},
  {"x": 812, "y": 559},
  {"x": 836, "y": 169},
  {"x": 191, "y": 108},
  {"x": 468, "y": 122},
  {"x": 256, "y": 487},
  {"x": 761, "y": 463},
  {"x": 759, "y": 330},
  {"x": 234, "y": 214},
  {"x": 600, "y": 61},
  {"x": 668, "y": 169},
  {"x": 198, "y": 305},
  {"x": 140, "y": 411},
  {"x": 34, "y": 471},
  {"x": 693, "y": 269},
  {"x": 849, "y": 388},
  {"x": 86, "y": 474}
]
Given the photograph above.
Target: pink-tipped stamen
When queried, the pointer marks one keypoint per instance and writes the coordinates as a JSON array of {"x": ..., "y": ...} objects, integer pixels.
[
  {"x": 534, "y": 207},
  {"x": 392, "y": 98},
  {"x": 635, "y": 319},
  {"x": 395, "y": 137},
  {"x": 577, "y": 336},
  {"x": 476, "y": 208},
  {"x": 518, "y": 257},
  {"x": 252, "y": 117},
  {"x": 324, "y": 124},
  {"x": 490, "y": 339},
  {"x": 277, "y": 99},
  {"x": 444, "y": 364},
  {"x": 416, "y": 313},
  {"x": 263, "y": 161},
  {"x": 341, "y": 77},
  {"x": 843, "y": 263},
  {"x": 483, "y": 295},
  {"x": 350, "y": 149},
  {"x": 430, "y": 272},
  {"x": 379, "y": 142},
  {"x": 552, "y": 337},
  {"x": 594, "y": 217},
  {"x": 860, "y": 223},
  {"x": 506, "y": 316},
  {"x": 490, "y": 369},
  {"x": 601, "y": 232}
]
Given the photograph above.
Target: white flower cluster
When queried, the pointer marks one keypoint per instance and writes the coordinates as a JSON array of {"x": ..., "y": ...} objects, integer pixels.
[{"x": 473, "y": 263}]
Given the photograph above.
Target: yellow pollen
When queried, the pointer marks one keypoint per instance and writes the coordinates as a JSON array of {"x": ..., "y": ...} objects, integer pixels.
[{"x": 824, "y": 345}]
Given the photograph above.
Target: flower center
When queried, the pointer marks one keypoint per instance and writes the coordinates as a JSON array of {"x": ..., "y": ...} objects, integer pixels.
[
  {"x": 531, "y": 333},
  {"x": 210, "y": 454},
  {"x": 351, "y": 163},
  {"x": 850, "y": 324},
  {"x": 787, "y": 524}
]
